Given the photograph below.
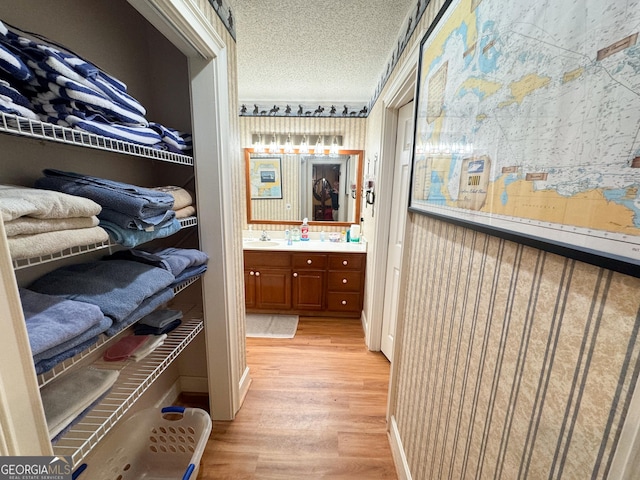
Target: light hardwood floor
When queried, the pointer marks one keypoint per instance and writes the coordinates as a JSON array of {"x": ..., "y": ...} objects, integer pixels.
[{"x": 315, "y": 409}]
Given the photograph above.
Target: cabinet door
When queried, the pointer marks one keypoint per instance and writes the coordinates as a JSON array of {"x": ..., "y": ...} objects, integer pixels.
[
  {"x": 308, "y": 289},
  {"x": 250, "y": 288},
  {"x": 273, "y": 288}
]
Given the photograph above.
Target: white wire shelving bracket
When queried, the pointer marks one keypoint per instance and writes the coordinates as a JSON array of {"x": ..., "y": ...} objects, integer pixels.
[
  {"x": 134, "y": 379},
  {"x": 26, "y": 127},
  {"x": 81, "y": 249}
]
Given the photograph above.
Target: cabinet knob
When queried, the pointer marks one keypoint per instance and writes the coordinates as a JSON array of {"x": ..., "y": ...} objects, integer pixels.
[
  {"x": 257, "y": 274},
  {"x": 309, "y": 262},
  {"x": 344, "y": 280},
  {"x": 345, "y": 262},
  {"x": 295, "y": 274},
  {"x": 343, "y": 302},
  {"x": 252, "y": 272}
]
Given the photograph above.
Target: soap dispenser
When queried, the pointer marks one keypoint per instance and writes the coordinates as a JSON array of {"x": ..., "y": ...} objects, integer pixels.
[{"x": 304, "y": 230}]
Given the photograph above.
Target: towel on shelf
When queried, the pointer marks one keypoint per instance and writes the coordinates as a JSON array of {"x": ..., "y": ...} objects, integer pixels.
[
  {"x": 67, "y": 397},
  {"x": 123, "y": 348},
  {"x": 149, "y": 224},
  {"x": 17, "y": 201},
  {"x": 186, "y": 212},
  {"x": 176, "y": 260},
  {"x": 181, "y": 197},
  {"x": 171, "y": 137},
  {"x": 48, "y": 243},
  {"x": 189, "y": 273},
  {"x": 11, "y": 63},
  {"x": 161, "y": 318},
  {"x": 68, "y": 348},
  {"x": 125, "y": 198},
  {"x": 118, "y": 287},
  {"x": 43, "y": 366},
  {"x": 14, "y": 102},
  {"x": 152, "y": 342},
  {"x": 132, "y": 238},
  {"x": 146, "y": 307},
  {"x": 52, "y": 320},
  {"x": 31, "y": 226},
  {"x": 78, "y": 418},
  {"x": 140, "y": 329}
]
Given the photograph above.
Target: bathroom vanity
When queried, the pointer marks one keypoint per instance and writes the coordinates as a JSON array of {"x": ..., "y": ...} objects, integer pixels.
[{"x": 307, "y": 278}]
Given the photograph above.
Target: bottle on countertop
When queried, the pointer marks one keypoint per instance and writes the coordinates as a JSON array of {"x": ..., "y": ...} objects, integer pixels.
[
  {"x": 322, "y": 236},
  {"x": 295, "y": 234},
  {"x": 304, "y": 230},
  {"x": 287, "y": 236},
  {"x": 343, "y": 236}
]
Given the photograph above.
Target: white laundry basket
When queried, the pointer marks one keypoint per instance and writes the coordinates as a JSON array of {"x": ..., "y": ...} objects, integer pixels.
[{"x": 151, "y": 445}]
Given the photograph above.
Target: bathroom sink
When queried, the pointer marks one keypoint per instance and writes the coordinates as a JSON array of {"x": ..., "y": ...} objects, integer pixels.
[{"x": 261, "y": 244}]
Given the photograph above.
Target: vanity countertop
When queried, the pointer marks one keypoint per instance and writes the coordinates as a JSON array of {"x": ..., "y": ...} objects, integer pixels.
[{"x": 311, "y": 245}]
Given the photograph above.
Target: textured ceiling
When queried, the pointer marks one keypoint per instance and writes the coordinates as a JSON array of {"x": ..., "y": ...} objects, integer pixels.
[{"x": 303, "y": 51}]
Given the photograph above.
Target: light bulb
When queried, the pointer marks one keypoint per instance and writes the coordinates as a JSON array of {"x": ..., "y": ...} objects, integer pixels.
[
  {"x": 273, "y": 148},
  {"x": 319, "y": 150},
  {"x": 304, "y": 146},
  {"x": 258, "y": 147},
  {"x": 288, "y": 146},
  {"x": 333, "y": 151}
]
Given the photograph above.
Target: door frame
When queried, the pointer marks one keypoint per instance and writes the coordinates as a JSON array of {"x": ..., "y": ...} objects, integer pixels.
[{"x": 400, "y": 92}]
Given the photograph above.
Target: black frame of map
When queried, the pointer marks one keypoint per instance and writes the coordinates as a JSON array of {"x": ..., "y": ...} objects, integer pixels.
[{"x": 618, "y": 251}]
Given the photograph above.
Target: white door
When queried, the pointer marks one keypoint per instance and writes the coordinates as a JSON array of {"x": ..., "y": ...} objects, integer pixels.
[{"x": 404, "y": 142}]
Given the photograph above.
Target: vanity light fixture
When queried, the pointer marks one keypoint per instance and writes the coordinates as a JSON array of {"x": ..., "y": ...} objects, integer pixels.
[
  {"x": 304, "y": 146},
  {"x": 288, "y": 145},
  {"x": 273, "y": 148},
  {"x": 258, "y": 147},
  {"x": 334, "y": 149},
  {"x": 319, "y": 150}
]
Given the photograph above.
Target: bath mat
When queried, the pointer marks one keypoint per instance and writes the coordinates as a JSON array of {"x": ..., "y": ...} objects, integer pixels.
[{"x": 271, "y": 326}]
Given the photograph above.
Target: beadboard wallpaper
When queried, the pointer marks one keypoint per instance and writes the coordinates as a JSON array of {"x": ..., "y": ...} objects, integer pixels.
[
  {"x": 353, "y": 131},
  {"x": 511, "y": 362}
]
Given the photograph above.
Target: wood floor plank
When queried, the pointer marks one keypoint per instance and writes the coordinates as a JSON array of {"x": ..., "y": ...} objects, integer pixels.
[{"x": 315, "y": 409}]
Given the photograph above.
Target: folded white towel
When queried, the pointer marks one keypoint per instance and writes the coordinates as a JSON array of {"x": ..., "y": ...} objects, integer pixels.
[
  {"x": 149, "y": 346},
  {"x": 17, "y": 201},
  {"x": 181, "y": 197},
  {"x": 30, "y": 226},
  {"x": 67, "y": 397},
  {"x": 41, "y": 244}
]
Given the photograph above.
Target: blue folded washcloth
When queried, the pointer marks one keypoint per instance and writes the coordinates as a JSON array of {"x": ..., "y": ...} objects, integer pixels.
[
  {"x": 52, "y": 321},
  {"x": 118, "y": 287},
  {"x": 122, "y": 197}
]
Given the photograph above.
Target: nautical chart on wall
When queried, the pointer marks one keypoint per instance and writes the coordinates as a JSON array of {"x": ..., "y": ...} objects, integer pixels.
[{"x": 528, "y": 120}]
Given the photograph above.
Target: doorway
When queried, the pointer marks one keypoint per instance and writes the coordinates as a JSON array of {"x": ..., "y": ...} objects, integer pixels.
[{"x": 400, "y": 195}]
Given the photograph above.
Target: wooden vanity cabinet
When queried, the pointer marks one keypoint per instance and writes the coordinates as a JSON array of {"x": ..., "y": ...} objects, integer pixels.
[
  {"x": 267, "y": 281},
  {"x": 306, "y": 283}
]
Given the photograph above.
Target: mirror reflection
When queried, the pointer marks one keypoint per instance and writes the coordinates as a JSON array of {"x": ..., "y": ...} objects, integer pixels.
[{"x": 285, "y": 188}]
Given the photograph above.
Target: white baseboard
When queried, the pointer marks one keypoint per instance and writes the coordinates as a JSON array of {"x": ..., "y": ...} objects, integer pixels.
[
  {"x": 243, "y": 387},
  {"x": 397, "y": 451},
  {"x": 193, "y": 384}
]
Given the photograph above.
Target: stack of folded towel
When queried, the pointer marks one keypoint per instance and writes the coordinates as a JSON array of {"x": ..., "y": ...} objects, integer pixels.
[
  {"x": 125, "y": 291},
  {"x": 64, "y": 89},
  {"x": 69, "y": 398},
  {"x": 59, "y": 328},
  {"x": 41, "y": 222},
  {"x": 183, "y": 263},
  {"x": 159, "y": 322},
  {"x": 131, "y": 214},
  {"x": 133, "y": 347},
  {"x": 182, "y": 200}
]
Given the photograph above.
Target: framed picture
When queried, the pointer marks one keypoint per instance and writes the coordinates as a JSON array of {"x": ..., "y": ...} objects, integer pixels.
[
  {"x": 527, "y": 125},
  {"x": 265, "y": 177}
]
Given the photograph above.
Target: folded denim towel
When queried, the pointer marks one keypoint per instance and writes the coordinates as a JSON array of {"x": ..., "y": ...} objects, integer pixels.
[
  {"x": 65, "y": 398},
  {"x": 123, "y": 197},
  {"x": 71, "y": 344},
  {"x": 149, "y": 224},
  {"x": 52, "y": 320},
  {"x": 189, "y": 273},
  {"x": 17, "y": 201},
  {"x": 118, "y": 287},
  {"x": 161, "y": 318},
  {"x": 148, "y": 306},
  {"x": 140, "y": 329},
  {"x": 132, "y": 238},
  {"x": 180, "y": 259},
  {"x": 138, "y": 255},
  {"x": 43, "y": 366}
]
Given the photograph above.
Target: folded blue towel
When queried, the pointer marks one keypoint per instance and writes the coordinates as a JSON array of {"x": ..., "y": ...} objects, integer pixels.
[
  {"x": 132, "y": 238},
  {"x": 118, "y": 287},
  {"x": 52, "y": 321},
  {"x": 13, "y": 66},
  {"x": 70, "y": 344},
  {"x": 148, "y": 306},
  {"x": 148, "y": 224},
  {"x": 141, "y": 329},
  {"x": 122, "y": 197},
  {"x": 43, "y": 366},
  {"x": 189, "y": 273},
  {"x": 8, "y": 91},
  {"x": 179, "y": 259}
]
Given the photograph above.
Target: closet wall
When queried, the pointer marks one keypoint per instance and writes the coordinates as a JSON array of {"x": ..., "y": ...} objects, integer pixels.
[
  {"x": 119, "y": 40},
  {"x": 510, "y": 362}
]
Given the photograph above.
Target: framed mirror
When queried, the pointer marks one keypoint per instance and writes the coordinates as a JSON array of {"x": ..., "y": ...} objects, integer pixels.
[{"x": 285, "y": 188}]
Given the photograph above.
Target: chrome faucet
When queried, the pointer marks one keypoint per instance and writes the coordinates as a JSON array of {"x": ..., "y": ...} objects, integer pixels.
[{"x": 264, "y": 237}]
